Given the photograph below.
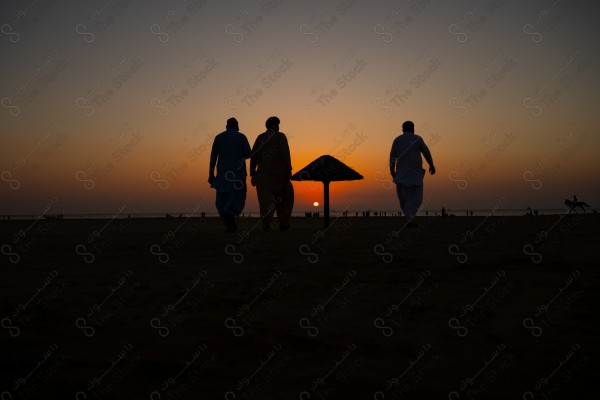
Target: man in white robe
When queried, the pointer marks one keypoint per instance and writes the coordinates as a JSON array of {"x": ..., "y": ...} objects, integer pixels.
[{"x": 406, "y": 167}]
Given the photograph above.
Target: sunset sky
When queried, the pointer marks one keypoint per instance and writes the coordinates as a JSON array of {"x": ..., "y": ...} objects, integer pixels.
[{"x": 113, "y": 105}]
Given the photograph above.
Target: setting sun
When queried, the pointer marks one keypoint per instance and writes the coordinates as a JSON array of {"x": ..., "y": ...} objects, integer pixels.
[{"x": 316, "y": 204}]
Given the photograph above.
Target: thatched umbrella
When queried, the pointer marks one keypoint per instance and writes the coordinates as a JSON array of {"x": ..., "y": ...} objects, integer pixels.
[{"x": 326, "y": 169}]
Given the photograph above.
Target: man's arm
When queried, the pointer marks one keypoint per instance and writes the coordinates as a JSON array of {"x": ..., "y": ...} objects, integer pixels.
[
  {"x": 255, "y": 157},
  {"x": 286, "y": 154},
  {"x": 247, "y": 150},
  {"x": 393, "y": 158},
  {"x": 427, "y": 154},
  {"x": 213, "y": 162},
  {"x": 246, "y": 147}
]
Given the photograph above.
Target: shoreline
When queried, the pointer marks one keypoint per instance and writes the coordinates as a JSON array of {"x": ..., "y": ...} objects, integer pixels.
[{"x": 299, "y": 214}]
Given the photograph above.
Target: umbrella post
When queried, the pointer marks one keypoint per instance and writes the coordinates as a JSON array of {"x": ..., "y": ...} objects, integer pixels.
[
  {"x": 326, "y": 203},
  {"x": 326, "y": 169}
]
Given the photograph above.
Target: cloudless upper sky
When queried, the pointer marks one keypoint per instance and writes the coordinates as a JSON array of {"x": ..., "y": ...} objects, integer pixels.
[{"x": 110, "y": 105}]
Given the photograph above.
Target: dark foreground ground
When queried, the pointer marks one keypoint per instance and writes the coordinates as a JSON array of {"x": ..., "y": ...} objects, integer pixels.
[{"x": 459, "y": 308}]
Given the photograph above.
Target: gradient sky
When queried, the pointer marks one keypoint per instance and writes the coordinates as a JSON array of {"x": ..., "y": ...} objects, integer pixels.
[{"x": 113, "y": 105}]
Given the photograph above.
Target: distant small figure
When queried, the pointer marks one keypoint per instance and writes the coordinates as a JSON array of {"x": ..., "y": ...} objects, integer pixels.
[
  {"x": 530, "y": 212},
  {"x": 572, "y": 205},
  {"x": 406, "y": 168},
  {"x": 57, "y": 216},
  {"x": 270, "y": 171},
  {"x": 229, "y": 152},
  {"x": 444, "y": 213}
]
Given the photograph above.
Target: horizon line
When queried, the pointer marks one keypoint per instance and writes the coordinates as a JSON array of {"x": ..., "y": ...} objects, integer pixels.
[{"x": 300, "y": 213}]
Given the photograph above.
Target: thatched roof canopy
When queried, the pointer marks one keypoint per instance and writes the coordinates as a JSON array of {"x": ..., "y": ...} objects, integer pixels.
[{"x": 326, "y": 169}]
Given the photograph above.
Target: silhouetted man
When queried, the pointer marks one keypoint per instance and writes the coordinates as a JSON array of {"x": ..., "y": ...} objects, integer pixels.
[
  {"x": 406, "y": 167},
  {"x": 271, "y": 169},
  {"x": 230, "y": 150}
]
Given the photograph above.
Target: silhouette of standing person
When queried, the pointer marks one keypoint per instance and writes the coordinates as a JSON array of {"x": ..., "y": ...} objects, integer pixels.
[
  {"x": 230, "y": 150},
  {"x": 270, "y": 171},
  {"x": 406, "y": 167}
]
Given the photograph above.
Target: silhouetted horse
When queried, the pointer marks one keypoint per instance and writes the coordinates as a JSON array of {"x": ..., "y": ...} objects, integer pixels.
[{"x": 572, "y": 205}]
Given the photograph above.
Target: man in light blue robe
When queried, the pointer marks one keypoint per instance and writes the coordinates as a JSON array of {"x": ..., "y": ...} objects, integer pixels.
[
  {"x": 230, "y": 150},
  {"x": 406, "y": 167}
]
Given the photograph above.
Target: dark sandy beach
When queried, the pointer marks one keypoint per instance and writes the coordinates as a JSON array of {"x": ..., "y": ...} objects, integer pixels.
[{"x": 458, "y": 308}]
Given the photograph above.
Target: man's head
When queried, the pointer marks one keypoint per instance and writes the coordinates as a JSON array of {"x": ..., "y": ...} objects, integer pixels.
[
  {"x": 232, "y": 123},
  {"x": 408, "y": 126},
  {"x": 272, "y": 123}
]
